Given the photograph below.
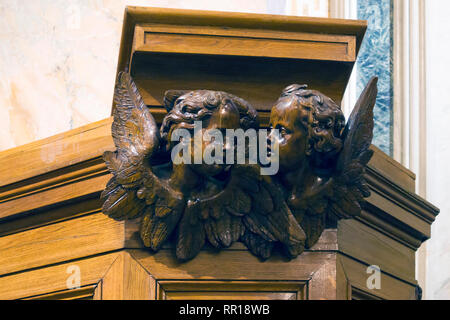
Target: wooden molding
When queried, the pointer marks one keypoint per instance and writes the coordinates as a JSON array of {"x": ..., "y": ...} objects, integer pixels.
[
  {"x": 136, "y": 15},
  {"x": 53, "y": 279}
]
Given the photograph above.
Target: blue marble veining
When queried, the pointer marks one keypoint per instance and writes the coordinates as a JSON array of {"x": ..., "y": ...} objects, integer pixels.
[{"x": 375, "y": 58}]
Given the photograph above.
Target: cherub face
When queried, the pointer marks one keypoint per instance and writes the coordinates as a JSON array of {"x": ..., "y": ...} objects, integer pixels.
[
  {"x": 214, "y": 112},
  {"x": 225, "y": 117},
  {"x": 291, "y": 121}
]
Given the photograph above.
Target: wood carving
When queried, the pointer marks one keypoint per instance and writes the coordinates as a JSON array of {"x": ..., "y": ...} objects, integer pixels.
[
  {"x": 321, "y": 170},
  {"x": 322, "y": 160}
]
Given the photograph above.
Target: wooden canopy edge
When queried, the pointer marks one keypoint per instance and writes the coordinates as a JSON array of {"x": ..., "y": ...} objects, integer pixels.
[{"x": 134, "y": 15}]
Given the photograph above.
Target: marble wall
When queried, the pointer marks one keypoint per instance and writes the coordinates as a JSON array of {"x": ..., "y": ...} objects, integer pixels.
[
  {"x": 438, "y": 147},
  {"x": 375, "y": 58},
  {"x": 58, "y": 58}
]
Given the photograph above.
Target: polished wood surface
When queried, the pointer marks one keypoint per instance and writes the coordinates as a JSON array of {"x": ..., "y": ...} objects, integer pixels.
[
  {"x": 215, "y": 19},
  {"x": 159, "y": 38}
]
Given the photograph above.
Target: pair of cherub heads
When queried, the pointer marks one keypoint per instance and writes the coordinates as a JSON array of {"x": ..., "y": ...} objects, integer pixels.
[
  {"x": 212, "y": 189},
  {"x": 304, "y": 137}
]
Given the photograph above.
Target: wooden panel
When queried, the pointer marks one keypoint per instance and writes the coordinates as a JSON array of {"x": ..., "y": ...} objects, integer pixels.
[
  {"x": 127, "y": 280},
  {"x": 356, "y": 277},
  {"x": 258, "y": 80},
  {"x": 56, "y": 152},
  {"x": 357, "y": 294},
  {"x": 232, "y": 295},
  {"x": 231, "y": 265},
  {"x": 400, "y": 212},
  {"x": 243, "y": 42},
  {"x": 58, "y": 242},
  {"x": 79, "y": 188},
  {"x": 50, "y": 215},
  {"x": 327, "y": 241},
  {"x": 392, "y": 169},
  {"x": 231, "y": 290},
  {"x": 366, "y": 244},
  {"x": 54, "y": 278},
  {"x": 82, "y": 293},
  {"x": 323, "y": 285},
  {"x": 232, "y": 20}
]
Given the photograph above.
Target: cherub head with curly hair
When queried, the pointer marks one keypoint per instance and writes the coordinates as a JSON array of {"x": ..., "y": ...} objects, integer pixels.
[
  {"x": 310, "y": 126},
  {"x": 216, "y": 110}
]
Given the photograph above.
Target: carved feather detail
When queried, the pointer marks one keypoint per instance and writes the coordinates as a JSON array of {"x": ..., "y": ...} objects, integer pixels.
[
  {"x": 350, "y": 188},
  {"x": 134, "y": 189}
]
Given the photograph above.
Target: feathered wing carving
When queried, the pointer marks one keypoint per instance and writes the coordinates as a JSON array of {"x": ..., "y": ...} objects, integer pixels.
[
  {"x": 134, "y": 189},
  {"x": 349, "y": 187},
  {"x": 251, "y": 209}
]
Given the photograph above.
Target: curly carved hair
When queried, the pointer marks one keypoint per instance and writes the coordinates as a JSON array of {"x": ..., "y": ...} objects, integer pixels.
[
  {"x": 186, "y": 107},
  {"x": 324, "y": 125}
]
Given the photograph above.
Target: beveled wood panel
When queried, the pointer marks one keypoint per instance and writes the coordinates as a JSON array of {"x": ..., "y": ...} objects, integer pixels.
[
  {"x": 374, "y": 248},
  {"x": 243, "y": 42},
  {"x": 356, "y": 276},
  {"x": 82, "y": 293},
  {"x": 50, "y": 196},
  {"x": 53, "y": 279},
  {"x": 72, "y": 239},
  {"x": 230, "y": 265},
  {"x": 258, "y": 80},
  {"x": 127, "y": 280},
  {"x": 231, "y": 290},
  {"x": 50, "y": 215}
]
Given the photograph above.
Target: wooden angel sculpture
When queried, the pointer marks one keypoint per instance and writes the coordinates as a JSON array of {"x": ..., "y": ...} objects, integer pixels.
[
  {"x": 322, "y": 160},
  {"x": 193, "y": 203}
]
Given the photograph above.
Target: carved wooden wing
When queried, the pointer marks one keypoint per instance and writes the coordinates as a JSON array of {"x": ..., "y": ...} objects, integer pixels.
[
  {"x": 134, "y": 189},
  {"x": 250, "y": 209},
  {"x": 349, "y": 187}
]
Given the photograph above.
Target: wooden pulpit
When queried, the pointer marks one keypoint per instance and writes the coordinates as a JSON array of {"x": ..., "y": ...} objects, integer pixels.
[{"x": 55, "y": 242}]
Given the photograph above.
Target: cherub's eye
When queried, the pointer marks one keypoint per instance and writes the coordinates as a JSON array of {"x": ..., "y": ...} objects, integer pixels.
[{"x": 188, "y": 108}]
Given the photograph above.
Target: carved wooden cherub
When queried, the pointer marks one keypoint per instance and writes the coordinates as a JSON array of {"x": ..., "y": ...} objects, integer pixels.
[
  {"x": 322, "y": 160},
  {"x": 217, "y": 203}
]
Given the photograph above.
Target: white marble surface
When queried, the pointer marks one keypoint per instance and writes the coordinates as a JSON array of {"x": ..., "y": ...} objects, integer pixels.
[
  {"x": 438, "y": 147},
  {"x": 58, "y": 58}
]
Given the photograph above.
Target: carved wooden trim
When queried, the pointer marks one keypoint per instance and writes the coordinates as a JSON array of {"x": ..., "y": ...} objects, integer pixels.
[
  {"x": 82, "y": 293},
  {"x": 196, "y": 40},
  {"x": 136, "y": 15},
  {"x": 182, "y": 289},
  {"x": 50, "y": 279}
]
